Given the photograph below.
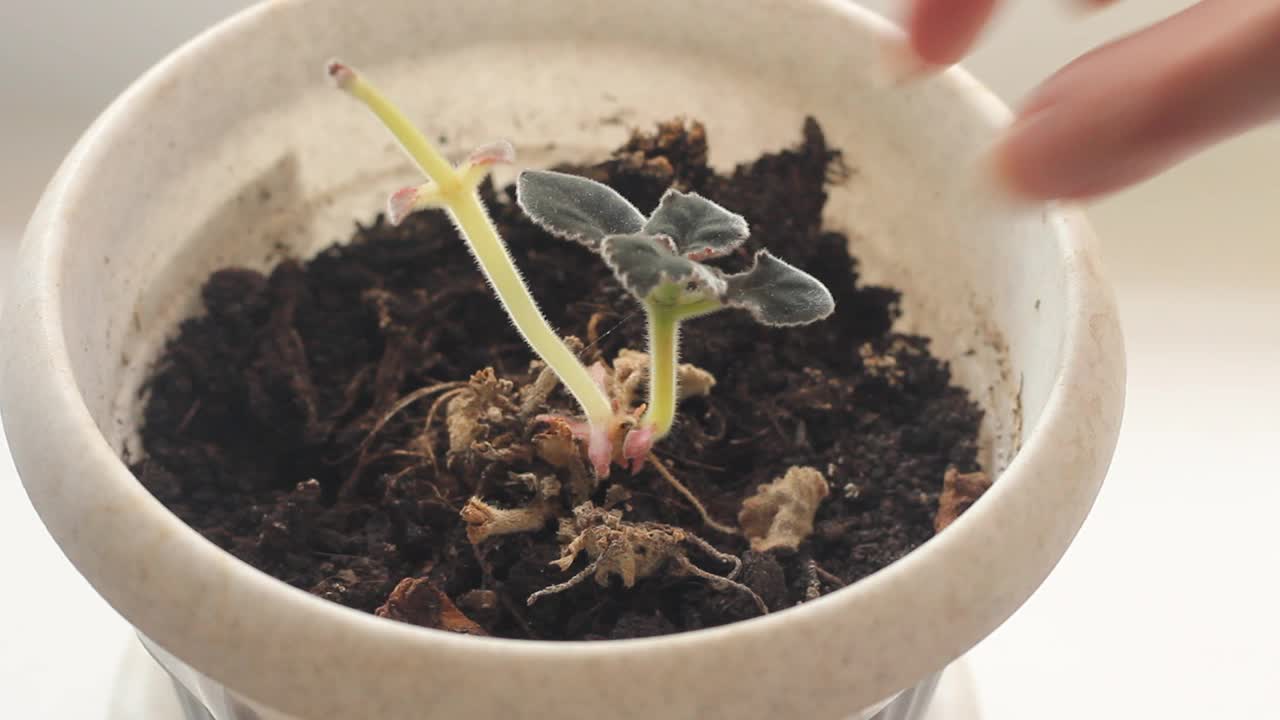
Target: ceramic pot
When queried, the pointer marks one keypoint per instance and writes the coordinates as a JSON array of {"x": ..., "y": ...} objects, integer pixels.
[{"x": 236, "y": 144}]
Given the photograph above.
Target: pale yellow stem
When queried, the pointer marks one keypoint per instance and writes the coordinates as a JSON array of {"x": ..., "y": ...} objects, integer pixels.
[
  {"x": 664, "y": 343},
  {"x": 457, "y": 194},
  {"x": 468, "y": 212}
]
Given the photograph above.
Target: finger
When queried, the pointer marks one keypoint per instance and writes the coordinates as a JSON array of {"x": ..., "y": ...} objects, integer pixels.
[
  {"x": 1139, "y": 105},
  {"x": 940, "y": 32}
]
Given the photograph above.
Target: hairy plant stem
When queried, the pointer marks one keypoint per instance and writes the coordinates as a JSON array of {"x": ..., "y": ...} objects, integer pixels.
[
  {"x": 457, "y": 193},
  {"x": 664, "y": 316},
  {"x": 664, "y": 344}
]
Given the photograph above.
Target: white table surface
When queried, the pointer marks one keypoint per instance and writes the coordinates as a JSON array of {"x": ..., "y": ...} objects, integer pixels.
[{"x": 1168, "y": 604}]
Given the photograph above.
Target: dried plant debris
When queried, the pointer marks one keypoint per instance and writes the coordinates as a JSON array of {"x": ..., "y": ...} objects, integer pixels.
[
  {"x": 485, "y": 521},
  {"x": 780, "y": 514},
  {"x": 883, "y": 367},
  {"x": 419, "y": 602},
  {"x": 959, "y": 491},
  {"x": 559, "y": 440},
  {"x": 484, "y": 422},
  {"x": 631, "y": 372},
  {"x": 632, "y": 551},
  {"x": 349, "y": 483},
  {"x": 557, "y": 445}
]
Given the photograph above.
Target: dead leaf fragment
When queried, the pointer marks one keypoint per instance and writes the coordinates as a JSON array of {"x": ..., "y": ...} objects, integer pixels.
[
  {"x": 780, "y": 514},
  {"x": 419, "y": 602},
  {"x": 959, "y": 491}
]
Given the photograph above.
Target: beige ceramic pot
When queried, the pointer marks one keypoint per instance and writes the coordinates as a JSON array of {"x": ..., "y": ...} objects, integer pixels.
[{"x": 168, "y": 185}]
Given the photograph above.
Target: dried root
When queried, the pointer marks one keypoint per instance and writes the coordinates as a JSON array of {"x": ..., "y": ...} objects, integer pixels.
[
  {"x": 487, "y": 421},
  {"x": 688, "y": 495},
  {"x": 489, "y": 401},
  {"x": 535, "y": 395},
  {"x": 485, "y": 521},
  {"x": 632, "y": 551},
  {"x": 959, "y": 491},
  {"x": 485, "y": 425},
  {"x": 557, "y": 446},
  {"x": 780, "y": 514},
  {"x": 620, "y": 442},
  {"x": 349, "y": 485}
]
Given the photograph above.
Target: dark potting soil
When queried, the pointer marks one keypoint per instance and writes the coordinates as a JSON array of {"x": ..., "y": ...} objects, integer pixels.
[{"x": 264, "y": 416}]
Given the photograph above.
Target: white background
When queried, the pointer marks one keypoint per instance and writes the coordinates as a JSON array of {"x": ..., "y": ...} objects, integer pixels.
[{"x": 1168, "y": 604}]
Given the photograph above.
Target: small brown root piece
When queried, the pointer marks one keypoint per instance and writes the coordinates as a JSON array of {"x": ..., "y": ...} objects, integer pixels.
[
  {"x": 693, "y": 381},
  {"x": 485, "y": 521},
  {"x": 780, "y": 514},
  {"x": 619, "y": 441},
  {"x": 721, "y": 582},
  {"x": 688, "y": 495},
  {"x": 633, "y": 551},
  {"x": 489, "y": 402},
  {"x": 629, "y": 371},
  {"x": 959, "y": 491},
  {"x": 403, "y": 403},
  {"x": 419, "y": 602},
  {"x": 711, "y": 550},
  {"x": 535, "y": 395},
  {"x": 349, "y": 485},
  {"x": 557, "y": 446},
  {"x": 585, "y": 573},
  {"x": 425, "y": 444}
]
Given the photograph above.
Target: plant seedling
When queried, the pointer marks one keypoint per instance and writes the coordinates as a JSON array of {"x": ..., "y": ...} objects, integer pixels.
[
  {"x": 456, "y": 191},
  {"x": 660, "y": 260}
]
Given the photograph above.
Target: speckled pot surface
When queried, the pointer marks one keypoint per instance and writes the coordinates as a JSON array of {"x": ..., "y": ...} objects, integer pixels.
[{"x": 235, "y": 144}]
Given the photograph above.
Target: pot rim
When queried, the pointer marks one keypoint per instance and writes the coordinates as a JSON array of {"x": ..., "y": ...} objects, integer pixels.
[{"x": 40, "y": 396}]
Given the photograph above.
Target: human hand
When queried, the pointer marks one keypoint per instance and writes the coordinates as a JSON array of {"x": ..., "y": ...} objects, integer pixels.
[{"x": 1130, "y": 109}]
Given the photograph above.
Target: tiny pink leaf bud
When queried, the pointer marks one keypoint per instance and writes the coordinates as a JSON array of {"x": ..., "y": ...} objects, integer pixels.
[
  {"x": 636, "y": 448},
  {"x": 401, "y": 203},
  {"x": 340, "y": 73},
  {"x": 500, "y": 152},
  {"x": 600, "y": 451}
]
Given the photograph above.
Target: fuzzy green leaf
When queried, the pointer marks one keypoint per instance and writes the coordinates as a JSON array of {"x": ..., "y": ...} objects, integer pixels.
[
  {"x": 701, "y": 229},
  {"x": 576, "y": 208},
  {"x": 644, "y": 263},
  {"x": 777, "y": 293}
]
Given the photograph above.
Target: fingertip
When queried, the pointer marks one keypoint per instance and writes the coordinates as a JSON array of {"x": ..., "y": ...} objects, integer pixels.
[
  {"x": 1002, "y": 178},
  {"x": 1044, "y": 156},
  {"x": 897, "y": 63},
  {"x": 941, "y": 32},
  {"x": 1051, "y": 156}
]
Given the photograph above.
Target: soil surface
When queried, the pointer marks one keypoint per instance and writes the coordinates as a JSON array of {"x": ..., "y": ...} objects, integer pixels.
[{"x": 274, "y": 423}]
